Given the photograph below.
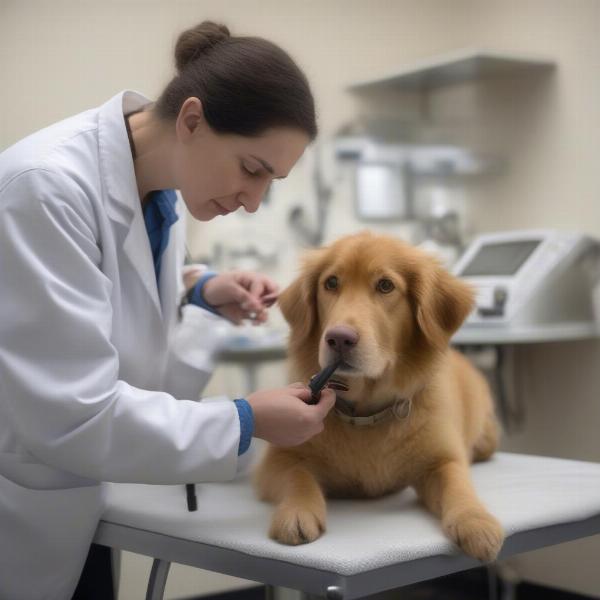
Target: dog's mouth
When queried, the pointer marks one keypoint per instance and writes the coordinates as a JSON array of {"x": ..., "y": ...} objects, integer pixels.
[
  {"x": 337, "y": 384},
  {"x": 346, "y": 367}
]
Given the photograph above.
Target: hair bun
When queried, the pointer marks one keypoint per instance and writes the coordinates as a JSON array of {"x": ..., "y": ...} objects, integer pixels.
[{"x": 193, "y": 42}]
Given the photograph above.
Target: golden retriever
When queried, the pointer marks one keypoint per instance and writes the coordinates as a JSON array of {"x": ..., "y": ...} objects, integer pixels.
[{"x": 389, "y": 310}]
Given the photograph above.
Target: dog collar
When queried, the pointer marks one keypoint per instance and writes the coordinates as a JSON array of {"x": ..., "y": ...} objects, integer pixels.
[{"x": 400, "y": 409}]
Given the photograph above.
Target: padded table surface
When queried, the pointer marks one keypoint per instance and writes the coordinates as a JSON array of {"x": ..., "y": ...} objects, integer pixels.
[{"x": 369, "y": 545}]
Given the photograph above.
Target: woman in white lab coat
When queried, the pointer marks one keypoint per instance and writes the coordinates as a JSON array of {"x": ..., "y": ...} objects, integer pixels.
[{"x": 97, "y": 371}]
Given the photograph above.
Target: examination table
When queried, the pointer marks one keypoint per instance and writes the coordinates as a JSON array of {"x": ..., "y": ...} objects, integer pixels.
[{"x": 369, "y": 546}]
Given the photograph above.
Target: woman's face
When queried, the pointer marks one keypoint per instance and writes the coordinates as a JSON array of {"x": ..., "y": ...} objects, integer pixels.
[{"x": 219, "y": 173}]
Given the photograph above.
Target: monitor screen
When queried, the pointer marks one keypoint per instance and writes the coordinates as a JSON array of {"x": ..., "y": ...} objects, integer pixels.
[{"x": 504, "y": 258}]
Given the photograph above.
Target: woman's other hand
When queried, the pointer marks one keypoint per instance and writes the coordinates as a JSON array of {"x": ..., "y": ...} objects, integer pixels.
[{"x": 239, "y": 295}]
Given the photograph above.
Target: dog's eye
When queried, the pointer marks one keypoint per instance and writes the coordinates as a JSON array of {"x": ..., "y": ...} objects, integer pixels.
[
  {"x": 385, "y": 286},
  {"x": 331, "y": 283}
]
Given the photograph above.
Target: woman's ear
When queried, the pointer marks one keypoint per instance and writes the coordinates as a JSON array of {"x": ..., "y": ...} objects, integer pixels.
[
  {"x": 441, "y": 302},
  {"x": 190, "y": 119},
  {"x": 298, "y": 302}
]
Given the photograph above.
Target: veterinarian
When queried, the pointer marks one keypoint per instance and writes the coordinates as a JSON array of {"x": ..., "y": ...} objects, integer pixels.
[{"x": 99, "y": 362}]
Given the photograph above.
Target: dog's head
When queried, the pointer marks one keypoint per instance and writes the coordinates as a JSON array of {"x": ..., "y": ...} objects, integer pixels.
[{"x": 386, "y": 308}]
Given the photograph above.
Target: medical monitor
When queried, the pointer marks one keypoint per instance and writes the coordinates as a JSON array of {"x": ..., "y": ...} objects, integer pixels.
[
  {"x": 527, "y": 276},
  {"x": 500, "y": 258}
]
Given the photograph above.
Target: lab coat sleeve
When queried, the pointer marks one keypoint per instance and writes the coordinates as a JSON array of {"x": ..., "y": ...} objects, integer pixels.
[
  {"x": 193, "y": 348},
  {"x": 59, "y": 369}
]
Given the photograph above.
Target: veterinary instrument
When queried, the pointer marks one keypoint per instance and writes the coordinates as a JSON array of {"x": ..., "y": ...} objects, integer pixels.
[
  {"x": 319, "y": 381},
  {"x": 531, "y": 286},
  {"x": 531, "y": 278}
]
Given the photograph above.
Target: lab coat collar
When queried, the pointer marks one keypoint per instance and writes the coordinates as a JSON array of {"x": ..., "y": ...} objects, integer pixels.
[
  {"x": 123, "y": 205},
  {"x": 116, "y": 162}
]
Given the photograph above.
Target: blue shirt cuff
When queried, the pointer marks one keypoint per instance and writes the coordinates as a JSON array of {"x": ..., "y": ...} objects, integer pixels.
[
  {"x": 196, "y": 294},
  {"x": 246, "y": 424}
]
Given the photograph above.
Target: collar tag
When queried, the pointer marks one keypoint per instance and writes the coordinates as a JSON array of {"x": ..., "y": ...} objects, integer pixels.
[{"x": 401, "y": 408}]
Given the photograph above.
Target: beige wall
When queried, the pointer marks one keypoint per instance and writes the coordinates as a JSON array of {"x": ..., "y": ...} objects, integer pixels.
[{"x": 58, "y": 57}]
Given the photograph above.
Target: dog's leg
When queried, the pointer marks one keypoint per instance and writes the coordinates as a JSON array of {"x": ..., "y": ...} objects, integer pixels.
[
  {"x": 447, "y": 491},
  {"x": 488, "y": 441},
  {"x": 300, "y": 514},
  {"x": 300, "y": 511}
]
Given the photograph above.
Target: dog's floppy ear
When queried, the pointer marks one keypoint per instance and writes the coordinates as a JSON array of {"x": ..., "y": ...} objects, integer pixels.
[
  {"x": 298, "y": 302},
  {"x": 441, "y": 302}
]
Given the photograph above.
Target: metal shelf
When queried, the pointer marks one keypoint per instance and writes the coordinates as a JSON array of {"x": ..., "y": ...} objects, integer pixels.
[{"x": 465, "y": 65}]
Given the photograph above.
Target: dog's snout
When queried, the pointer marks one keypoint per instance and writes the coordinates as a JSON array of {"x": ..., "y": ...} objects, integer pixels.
[{"x": 341, "y": 338}]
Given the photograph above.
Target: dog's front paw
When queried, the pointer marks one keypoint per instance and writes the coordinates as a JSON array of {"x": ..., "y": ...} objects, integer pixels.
[
  {"x": 477, "y": 533},
  {"x": 295, "y": 525}
]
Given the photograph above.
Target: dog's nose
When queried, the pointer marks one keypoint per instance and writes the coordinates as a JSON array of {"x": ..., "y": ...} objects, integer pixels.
[{"x": 341, "y": 338}]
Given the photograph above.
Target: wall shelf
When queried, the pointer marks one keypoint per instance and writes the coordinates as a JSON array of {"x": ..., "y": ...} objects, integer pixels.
[{"x": 465, "y": 65}]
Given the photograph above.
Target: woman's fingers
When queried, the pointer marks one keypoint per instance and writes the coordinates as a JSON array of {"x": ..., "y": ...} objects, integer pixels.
[{"x": 270, "y": 298}]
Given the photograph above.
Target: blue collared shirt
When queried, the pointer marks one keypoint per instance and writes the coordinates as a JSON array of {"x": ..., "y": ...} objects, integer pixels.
[{"x": 159, "y": 215}]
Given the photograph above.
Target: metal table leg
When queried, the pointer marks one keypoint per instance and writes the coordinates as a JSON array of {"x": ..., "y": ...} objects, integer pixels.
[
  {"x": 250, "y": 377},
  {"x": 158, "y": 579}
]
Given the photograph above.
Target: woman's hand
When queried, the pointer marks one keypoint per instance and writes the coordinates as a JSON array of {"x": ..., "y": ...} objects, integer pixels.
[
  {"x": 239, "y": 295},
  {"x": 283, "y": 417}
]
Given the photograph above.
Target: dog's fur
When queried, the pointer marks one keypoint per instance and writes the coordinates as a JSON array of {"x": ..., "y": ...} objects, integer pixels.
[{"x": 402, "y": 351}]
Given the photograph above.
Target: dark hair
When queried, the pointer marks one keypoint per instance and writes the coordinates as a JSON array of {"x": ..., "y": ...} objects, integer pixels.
[{"x": 246, "y": 84}]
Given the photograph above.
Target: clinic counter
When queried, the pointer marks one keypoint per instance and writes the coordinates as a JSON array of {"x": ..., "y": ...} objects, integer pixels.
[
  {"x": 272, "y": 346},
  {"x": 553, "y": 332}
]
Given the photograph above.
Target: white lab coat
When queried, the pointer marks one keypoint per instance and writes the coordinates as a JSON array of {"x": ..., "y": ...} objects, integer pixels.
[{"x": 92, "y": 388}]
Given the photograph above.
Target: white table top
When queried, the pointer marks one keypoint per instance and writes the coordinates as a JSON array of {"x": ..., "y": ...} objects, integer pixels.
[{"x": 369, "y": 545}]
